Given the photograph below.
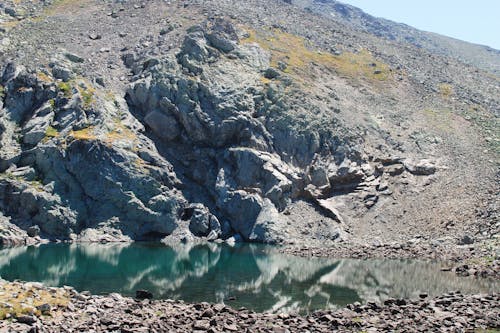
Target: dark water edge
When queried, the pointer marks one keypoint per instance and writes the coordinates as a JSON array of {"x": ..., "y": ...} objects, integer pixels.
[{"x": 247, "y": 275}]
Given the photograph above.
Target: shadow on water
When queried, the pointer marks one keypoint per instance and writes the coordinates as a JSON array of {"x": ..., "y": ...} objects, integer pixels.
[{"x": 253, "y": 276}]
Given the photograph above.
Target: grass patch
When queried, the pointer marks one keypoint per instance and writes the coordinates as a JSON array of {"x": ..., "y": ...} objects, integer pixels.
[
  {"x": 265, "y": 80},
  {"x": 36, "y": 183},
  {"x": 44, "y": 77},
  {"x": 86, "y": 91},
  {"x": 2, "y": 92},
  {"x": 87, "y": 94},
  {"x": 299, "y": 57},
  {"x": 445, "y": 90},
  {"x": 83, "y": 134},
  {"x": 65, "y": 88},
  {"x": 119, "y": 132},
  {"x": 141, "y": 165},
  {"x": 52, "y": 103},
  {"x": 51, "y": 132},
  {"x": 20, "y": 299}
]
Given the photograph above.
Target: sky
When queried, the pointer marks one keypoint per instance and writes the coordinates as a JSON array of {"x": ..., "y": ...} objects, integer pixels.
[{"x": 475, "y": 21}]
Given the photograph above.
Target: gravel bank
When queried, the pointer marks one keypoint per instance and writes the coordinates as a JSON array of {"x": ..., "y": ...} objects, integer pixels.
[{"x": 78, "y": 312}]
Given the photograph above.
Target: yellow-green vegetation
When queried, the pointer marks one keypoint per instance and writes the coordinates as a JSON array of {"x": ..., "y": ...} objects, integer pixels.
[
  {"x": 265, "y": 80},
  {"x": 44, "y": 77},
  {"x": 87, "y": 93},
  {"x": 65, "y": 87},
  {"x": 85, "y": 89},
  {"x": 36, "y": 183},
  {"x": 110, "y": 96},
  {"x": 446, "y": 90},
  {"x": 296, "y": 56},
  {"x": 119, "y": 132},
  {"x": 2, "y": 92},
  {"x": 20, "y": 299},
  {"x": 141, "y": 165},
  {"x": 83, "y": 134},
  {"x": 51, "y": 132}
]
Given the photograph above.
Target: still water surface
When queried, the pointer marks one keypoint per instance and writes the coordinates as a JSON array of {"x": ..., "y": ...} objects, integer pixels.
[{"x": 253, "y": 276}]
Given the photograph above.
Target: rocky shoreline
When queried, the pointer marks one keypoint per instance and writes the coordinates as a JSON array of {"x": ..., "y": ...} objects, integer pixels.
[
  {"x": 481, "y": 259},
  {"x": 65, "y": 310}
]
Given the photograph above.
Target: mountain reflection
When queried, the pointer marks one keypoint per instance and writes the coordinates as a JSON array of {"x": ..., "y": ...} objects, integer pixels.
[{"x": 253, "y": 276}]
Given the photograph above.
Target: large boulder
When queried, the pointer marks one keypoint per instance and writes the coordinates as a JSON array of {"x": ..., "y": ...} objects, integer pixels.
[
  {"x": 270, "y": 226},
  {"x": 10, "y": 234},
  {"x": 201, "y": 221}
]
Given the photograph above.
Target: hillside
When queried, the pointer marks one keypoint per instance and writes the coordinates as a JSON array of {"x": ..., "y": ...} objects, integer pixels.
[
  {"x": 483, "y": 57},
  {"x": 256, "y": 120}
]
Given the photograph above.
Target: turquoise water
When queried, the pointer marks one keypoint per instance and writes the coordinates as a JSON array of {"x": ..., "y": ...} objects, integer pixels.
[{"x": 251, "y": 276}]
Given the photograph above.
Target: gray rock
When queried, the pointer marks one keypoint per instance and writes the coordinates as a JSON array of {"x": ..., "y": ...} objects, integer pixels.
[
  {"x": 33, "y": 231},
  {"x": 466, "y": 240},
  {"x": 74, "y": 57},
  {"x": 222, "y": 36},
  {"x": 199, "y": 217},
  {"x": 235, "y": 239},
  {"x": 44, "y": 308},
  {"x": 143, "y": 294},
  {"x": 242, "y": 208},
  {"x": 35, "y": 129},
  {"x": 165, "y": 126},
  {"x": 270, "y": 226},
  {"x": 62, "y": 73},
  {"x": 395, "y": 169},
  {"x": 220, "y": 42},
  {"x": 421, "y": 168},
  {"x": 10, "y": 234},
  {"x": 271, "y": 73},
  {"x": 10, "y": 11},
  {"x": 331, "y": 210},
  {"x": 26, "y": 172},
  {"x": 25, "y": 319}
]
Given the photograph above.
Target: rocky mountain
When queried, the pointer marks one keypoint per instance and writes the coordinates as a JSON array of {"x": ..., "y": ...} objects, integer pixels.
[{"x": 261, "y": 121}]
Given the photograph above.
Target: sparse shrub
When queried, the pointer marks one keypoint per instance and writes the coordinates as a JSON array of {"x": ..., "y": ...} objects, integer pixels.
[
  {"x": 65, "y": 88},
  {"x": 446, "y": 90}
]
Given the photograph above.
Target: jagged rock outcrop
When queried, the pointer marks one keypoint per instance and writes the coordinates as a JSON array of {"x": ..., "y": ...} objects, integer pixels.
[
  {"x": 65, "y": 179},
  {"x": 247, "y": 160}
]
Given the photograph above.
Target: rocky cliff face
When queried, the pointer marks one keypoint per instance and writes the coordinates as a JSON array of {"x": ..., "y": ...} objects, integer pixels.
[{"x": 254, "y": 120}]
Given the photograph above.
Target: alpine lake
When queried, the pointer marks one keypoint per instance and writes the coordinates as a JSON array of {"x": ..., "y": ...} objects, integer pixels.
[{"x": 256, "y": 277}]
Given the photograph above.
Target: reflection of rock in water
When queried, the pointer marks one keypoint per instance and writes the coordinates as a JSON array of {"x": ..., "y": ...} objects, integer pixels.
[
  {"x": 8, "y": 254},
  {"x": 258, "y": 277},
  {"x": 108, "y": 253},
  {"x": 295, "y": 282},
  {"x": 190, "y": 261},
  {"x": 376, "y": 280}
]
